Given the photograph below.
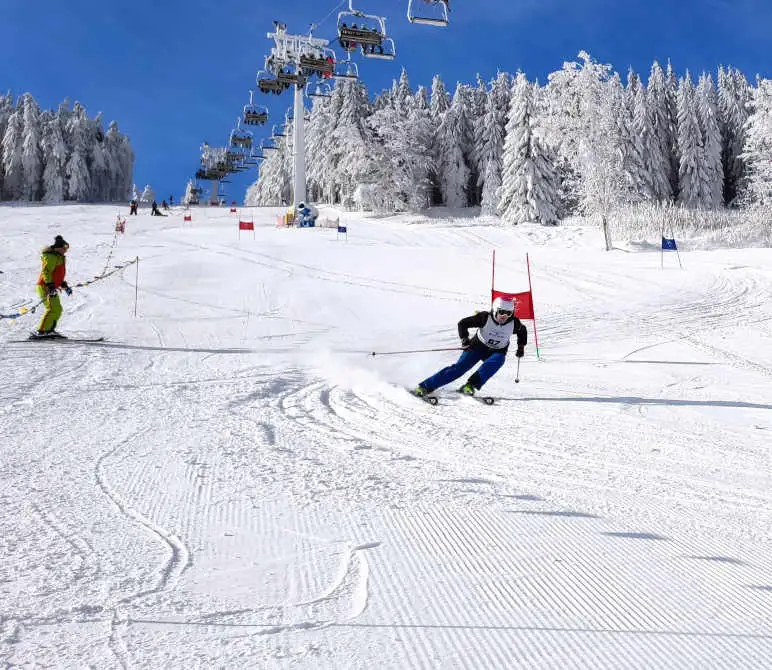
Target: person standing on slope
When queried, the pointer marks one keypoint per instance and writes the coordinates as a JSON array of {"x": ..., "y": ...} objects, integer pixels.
[
  {"x": 50, "y": 281},
  {"x": 489, "y": 344}
]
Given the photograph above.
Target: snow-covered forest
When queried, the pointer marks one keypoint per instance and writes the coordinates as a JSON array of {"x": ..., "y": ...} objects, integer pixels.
[
  {"x": 587, "y": 142},
  {"x": 55, "y": 156}
]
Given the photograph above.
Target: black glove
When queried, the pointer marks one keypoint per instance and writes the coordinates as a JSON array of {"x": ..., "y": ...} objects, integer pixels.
[
  {"x": 520, "y": 352},
  {"x": 51, "y": 289},
  {"x": 465, "y": 343},
  {"x": 66, "y": 288}
]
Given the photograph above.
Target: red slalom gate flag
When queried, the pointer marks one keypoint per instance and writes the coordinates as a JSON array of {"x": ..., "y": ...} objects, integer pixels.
[
  {"x": 523, "y": 302},
  {"x": 246, "y": 225}
]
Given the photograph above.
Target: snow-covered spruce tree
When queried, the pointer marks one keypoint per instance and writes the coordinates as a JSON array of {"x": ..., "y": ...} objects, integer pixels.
[
  {"x": 274, "y": 183},
  {"x": 660, "y": 137},
  {"x": 712, "y": 193},
  {"x": 490, "y": 140},
  {"x": 605, "y": 180},
  {"x": 350, "y": 152},
  {"x": 581, "y": 121},
  {"x": 421, "y": 132},
  {"x": 98, "y": 161},
  {"x": 439, "y": 103},
  {"x": 13, "y": 166},
  {"x": 31, "y": 156},
  {"x": 77, "y": 169},
  {"x": 474, "y": 114},
  {"x": 632, "y": 131},
  {"x": 116, "y": 188},
  {"x": 478, "y": 109},
  {"x": 54, "y": 158},
  {"x": 671, "y": 98},
  {"x": 401, "y": 155},
  {"x": 323, "y": 162},
  {"x": 313, "y": 137},
  {"x": 402, "y": 94},
  {"x": 758, "y": 148},
  {"x": 147, "y": 196},
  {"x": 734, "y": 100},
  {"x": 562, "y": 121},
  {"x": 691, "y": 148},
  {"x": 6, "y": 109},
  {"x": 125, "y": 154},
  {"x": 528, "y": 191},
  {"x": 191, "y": 193},
  {"x": 450, "y": 138}
]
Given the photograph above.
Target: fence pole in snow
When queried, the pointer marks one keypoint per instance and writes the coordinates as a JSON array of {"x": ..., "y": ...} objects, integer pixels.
[
  {"x": 136, "y": 287},
  {"x": 493, "y": 273},
  {"x": 533, "y": 305}
]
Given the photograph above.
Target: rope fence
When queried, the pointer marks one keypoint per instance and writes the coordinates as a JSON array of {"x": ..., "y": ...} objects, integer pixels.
[{"x": 24, "y": 308}]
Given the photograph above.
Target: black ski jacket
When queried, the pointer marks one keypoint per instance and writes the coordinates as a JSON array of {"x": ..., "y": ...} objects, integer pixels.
[{"x": 478, "y": 321}]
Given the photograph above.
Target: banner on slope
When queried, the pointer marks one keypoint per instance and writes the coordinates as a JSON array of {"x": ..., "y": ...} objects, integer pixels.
[
  {"x": 668, "y": 244},
  {"x": 247, "y": 225}
]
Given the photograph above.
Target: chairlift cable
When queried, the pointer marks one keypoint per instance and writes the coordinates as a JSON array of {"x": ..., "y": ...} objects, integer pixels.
[{"x": 332, "y": 11}]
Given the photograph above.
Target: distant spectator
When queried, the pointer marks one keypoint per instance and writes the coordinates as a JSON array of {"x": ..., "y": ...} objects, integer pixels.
[
  {"x": 155, "y": 211},
  {"x": 133, "y": 207}
]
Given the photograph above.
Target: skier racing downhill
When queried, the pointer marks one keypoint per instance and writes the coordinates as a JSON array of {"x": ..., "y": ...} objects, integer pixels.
[{"x": 489, "y": 344}]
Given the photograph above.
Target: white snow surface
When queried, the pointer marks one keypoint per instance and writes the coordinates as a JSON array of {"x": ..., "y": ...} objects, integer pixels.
[{"x": 232, "y": 480}]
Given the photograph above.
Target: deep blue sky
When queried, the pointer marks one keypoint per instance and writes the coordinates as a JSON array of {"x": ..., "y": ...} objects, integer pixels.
[{"x": 174, "y": 73}]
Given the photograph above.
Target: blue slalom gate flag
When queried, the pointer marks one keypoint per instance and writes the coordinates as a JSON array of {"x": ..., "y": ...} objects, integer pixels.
[
  {"x": 342, "y": 229},
  {"x": 668, "y": 244}
]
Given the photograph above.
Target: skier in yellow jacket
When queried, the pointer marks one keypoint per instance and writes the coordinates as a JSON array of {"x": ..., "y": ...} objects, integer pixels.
[{"x": 51, "y": 280}]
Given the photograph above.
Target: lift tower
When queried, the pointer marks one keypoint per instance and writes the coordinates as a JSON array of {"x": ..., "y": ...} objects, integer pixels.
[{"x": 288, "y": 61}]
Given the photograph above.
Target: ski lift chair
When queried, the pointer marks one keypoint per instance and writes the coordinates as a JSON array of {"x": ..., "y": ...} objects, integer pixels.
[
  {"x": 383, "y": 51},
  {"x": 240, "y": 139},
  {"x": 287, "y": 76},
  {"x": 318, "y": 61},
  {"x": 351, "y": 72},
  {"x": 318, "y": 90},
  {"x": 355, "y": 35},
  {"x": 436, "y": 16},
  {"x": 252, "y": 115},
  {"x": 356, "y": 28},
  {"x": 267, "y": 83}
]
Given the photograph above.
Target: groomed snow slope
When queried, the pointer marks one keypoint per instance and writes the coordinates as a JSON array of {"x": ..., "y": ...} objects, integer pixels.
[{"x": 230, "y": 480}]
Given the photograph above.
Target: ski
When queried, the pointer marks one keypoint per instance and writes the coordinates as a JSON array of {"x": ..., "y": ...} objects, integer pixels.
[
  {"x": 431, "y": 399},
  {"x": 484, "y": 399},
  {"x": 63, "y": 338}
]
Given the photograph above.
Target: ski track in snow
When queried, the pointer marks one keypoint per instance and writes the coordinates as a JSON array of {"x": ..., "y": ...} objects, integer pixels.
[{"x": 226, "y": 491}]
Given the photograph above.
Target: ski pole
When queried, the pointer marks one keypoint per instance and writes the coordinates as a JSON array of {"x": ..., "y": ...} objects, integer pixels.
[
  {"x": 517, "y": 374},
  {"x": 413, "y": 351}
]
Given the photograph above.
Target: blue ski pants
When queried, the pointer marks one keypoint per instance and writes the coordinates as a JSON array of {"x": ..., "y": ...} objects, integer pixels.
[{"x": 466, "y": 362}]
